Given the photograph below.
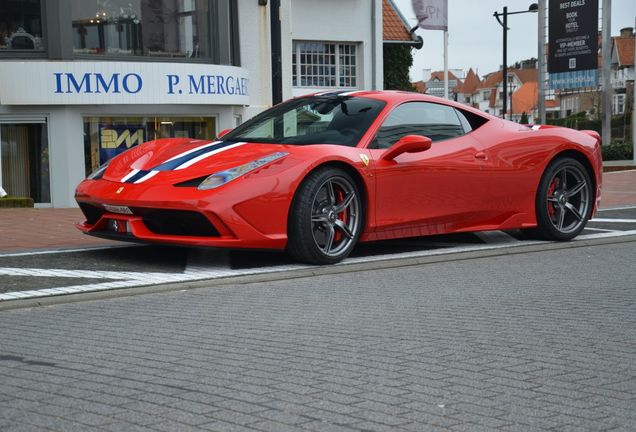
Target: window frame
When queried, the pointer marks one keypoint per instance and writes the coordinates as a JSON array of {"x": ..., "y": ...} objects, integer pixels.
[
  {"x": 296, "y": 75},
  {"x": 32, "y": 54}
]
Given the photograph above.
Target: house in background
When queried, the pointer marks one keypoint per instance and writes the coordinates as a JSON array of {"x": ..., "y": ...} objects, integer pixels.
[
  {"x": 466, "y": 91},
  {"x": 622, "y": 78}
]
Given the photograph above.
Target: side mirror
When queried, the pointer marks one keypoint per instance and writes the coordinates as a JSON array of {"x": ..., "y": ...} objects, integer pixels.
[
  {"x": 407, "y": 144},
  {"x": 223, "y": 133}
]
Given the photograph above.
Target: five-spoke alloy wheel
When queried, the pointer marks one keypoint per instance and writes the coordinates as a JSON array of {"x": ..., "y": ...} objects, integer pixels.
[
  {"x": 564, "y": 200},
  {"x": 326, "y": 217}
]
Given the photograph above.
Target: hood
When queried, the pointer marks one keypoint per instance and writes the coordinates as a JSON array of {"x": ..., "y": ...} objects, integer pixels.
[{"x": 174, "y": 160}]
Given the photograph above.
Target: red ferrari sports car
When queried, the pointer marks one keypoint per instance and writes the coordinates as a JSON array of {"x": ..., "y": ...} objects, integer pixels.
[{"x": 317, "y": 174}]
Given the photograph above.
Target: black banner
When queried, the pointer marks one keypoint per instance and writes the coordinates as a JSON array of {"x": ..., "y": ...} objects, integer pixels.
[{"x": 573, "y": 35}]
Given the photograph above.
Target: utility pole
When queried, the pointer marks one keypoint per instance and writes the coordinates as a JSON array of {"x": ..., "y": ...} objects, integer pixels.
[
  {"x": 634, "y": 100},
  {"x": 606, "y": 53},
  {"x": 504, "y": 73},
  {"x": 277, "y": 66},
  {"x": 541, "y": 62}
]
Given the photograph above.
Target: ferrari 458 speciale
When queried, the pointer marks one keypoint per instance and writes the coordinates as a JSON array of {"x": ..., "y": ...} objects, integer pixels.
[{"x": 317, "y": 174}]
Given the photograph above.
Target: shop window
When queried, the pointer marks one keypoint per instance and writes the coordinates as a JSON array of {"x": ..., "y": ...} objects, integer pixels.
[
  {"x": 24, "y": 161},
  {"x": 106, "y": 137},
  {"x": 324, "y": 64},
  {"x": 21, "y": 25},
  {"x": 175, "y": 29}
]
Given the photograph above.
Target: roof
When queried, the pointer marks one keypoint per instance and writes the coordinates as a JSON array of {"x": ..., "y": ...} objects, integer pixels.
[
  {"x": 491, "y": 80},
  {"x": 492, "y": 99},
  {"x": 419, "y": 86},
  {"x": 625, "y": 50},
  {"x": 525, "y": 98},
  {"x": 470, "y": 84},
  {"x": 394, "y": 25},
  {"x": 494, "y": 78},
  {"x": 526, "y": 75},
  {"x": 439, "y": 76}
]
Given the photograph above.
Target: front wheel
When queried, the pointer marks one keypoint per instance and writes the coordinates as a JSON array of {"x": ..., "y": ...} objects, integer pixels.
[
  {"x": 564, "y": 200},
  {"x": 326, "y": 218}
]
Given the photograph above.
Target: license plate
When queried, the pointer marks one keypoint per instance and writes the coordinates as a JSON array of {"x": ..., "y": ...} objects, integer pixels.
[{"x": 117, "y": 209}]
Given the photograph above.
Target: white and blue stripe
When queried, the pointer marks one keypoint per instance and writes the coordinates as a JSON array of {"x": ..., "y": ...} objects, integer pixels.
[{"x": 181, "y": 161}]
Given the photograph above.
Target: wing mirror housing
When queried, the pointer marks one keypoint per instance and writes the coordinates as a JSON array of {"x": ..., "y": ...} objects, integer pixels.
[
  {"x": 223, "y": 133},
  {"x": 408, "y": 144}
]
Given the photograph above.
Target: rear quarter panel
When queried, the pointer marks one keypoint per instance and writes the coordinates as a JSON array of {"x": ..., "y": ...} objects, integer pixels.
[{"x": 517, "y": 156}]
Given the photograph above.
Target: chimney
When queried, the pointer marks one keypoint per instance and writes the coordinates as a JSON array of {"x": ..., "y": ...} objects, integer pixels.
[{"x": 627, "y": 32}]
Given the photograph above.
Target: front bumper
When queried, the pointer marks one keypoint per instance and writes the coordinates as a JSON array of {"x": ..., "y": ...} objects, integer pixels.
[{"x": 236, "y": 217}]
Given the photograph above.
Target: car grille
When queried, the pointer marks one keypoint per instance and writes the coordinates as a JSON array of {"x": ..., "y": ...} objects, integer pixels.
[
  {"x": 160, "y": 221},
  {"x": 91, "y": 213}
]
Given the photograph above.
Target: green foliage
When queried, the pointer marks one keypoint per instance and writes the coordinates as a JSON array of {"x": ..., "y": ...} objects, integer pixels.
[
  {"x": 621, "y": 125},
  {"x": 618, "y": 151},
  {"x": 524, "y": 118},
  {"x": 397, "y": 62},
  {"x": 9, "y": 202}
]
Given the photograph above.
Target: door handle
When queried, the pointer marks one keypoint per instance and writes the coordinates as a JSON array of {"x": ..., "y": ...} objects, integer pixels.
[{"x": 481, "y": 155}]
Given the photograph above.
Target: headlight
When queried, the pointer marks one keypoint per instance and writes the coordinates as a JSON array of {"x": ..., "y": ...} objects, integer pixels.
[
  {"x": 220, "y": 178},
  {"x": 99, "y": 172}
]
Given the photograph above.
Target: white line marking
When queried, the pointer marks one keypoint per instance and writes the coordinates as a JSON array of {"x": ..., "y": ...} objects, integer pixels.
[
  {"x": 207, "y": 155},
  {"x": 59, "y": 251},
  {"x": 117, "y": 280},
  {"x": 618, "y": 172},
  {"x": 614, "y": 220},
  {"x": 599, "y": 229},
  {"x": 129, "y": 175},
  {"x": 617, "y": 208}
]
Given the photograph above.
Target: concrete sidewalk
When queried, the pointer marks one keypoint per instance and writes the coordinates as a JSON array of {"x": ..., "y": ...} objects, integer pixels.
[{"x": 45, "y": 229}]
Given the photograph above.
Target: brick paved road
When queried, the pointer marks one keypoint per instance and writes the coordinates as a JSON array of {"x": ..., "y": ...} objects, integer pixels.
[{"x": 524, "y": 342}]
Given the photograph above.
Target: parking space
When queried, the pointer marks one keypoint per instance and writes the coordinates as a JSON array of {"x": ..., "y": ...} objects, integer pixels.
[{"x": 43, "y": 274}]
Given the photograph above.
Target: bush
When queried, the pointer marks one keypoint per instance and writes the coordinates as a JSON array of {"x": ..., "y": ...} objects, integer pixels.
[
  {"x": 617, "y": 151},
  {"x": 9, "y": 202}
]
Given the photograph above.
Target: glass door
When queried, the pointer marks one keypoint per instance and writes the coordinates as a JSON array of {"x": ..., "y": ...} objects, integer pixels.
[{"x": 24, "y": 160}]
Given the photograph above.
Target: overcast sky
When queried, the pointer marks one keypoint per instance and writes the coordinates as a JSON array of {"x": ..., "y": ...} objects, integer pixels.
[{"x": 475, "y": 37}]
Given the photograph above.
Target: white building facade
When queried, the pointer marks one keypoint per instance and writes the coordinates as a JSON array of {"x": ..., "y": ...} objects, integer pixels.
[{"x": 83, "y": 80}]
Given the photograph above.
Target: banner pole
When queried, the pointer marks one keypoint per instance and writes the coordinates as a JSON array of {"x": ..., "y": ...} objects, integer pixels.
[
  {"x": 606, "y": 54},
  {"x": 445, "y": 64}
]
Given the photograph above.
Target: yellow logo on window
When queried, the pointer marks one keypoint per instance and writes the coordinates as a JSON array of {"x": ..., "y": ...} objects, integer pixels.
[{"x": 112, "y": 138}]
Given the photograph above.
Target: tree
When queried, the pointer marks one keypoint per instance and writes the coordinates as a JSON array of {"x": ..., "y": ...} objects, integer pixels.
[
  {"x": 524, "y": 118},
  {"x": 397, "y": 62}
]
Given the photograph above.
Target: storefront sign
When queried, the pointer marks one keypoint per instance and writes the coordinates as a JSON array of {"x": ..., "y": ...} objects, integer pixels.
[
  {"x": 573, "y": 44},
  {"x": 89, "y": 83}
]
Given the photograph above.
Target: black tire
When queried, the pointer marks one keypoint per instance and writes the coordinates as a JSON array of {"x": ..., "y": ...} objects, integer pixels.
[
  {"x": 563, "y": 208},
  {"x": 326, "y": 217}
]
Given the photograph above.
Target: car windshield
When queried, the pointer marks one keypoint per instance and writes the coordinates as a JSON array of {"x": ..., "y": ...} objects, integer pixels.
[{"x": 337, "y": 120}]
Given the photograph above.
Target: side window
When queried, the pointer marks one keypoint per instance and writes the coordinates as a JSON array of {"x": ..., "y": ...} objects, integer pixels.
[{"x": 436, "y": 121}]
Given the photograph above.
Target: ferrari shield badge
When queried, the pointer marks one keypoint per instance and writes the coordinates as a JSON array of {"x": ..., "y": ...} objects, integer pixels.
[
  {"x": 119, "y": 190},
  {"x": 365, "y": 159}
]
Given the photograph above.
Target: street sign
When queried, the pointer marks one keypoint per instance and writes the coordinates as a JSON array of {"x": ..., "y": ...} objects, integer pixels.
[{"x": 573, "y": 44}]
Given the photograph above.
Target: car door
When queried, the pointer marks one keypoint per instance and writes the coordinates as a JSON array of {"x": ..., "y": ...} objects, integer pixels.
[{"x": 430, "y": 192}]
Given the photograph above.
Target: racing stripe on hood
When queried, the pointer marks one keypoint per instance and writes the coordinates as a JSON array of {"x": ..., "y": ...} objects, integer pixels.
[
  {"x": 191, "y": 157},
  {"x": 136, "y": 176},
  {"x": 180, "y": 161}
]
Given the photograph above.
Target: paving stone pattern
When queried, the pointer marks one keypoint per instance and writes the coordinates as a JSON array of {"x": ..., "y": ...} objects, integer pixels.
[{"x": 542, "y": 341}]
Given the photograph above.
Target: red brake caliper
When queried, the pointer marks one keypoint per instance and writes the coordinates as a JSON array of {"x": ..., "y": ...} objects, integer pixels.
[
  {"x": 551, "y": 189},
  {"x": 343, "y": 216}
]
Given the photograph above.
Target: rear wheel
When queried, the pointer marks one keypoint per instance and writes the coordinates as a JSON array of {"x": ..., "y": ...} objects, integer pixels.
[
  {"x": 564, "y": 200},
  {"x": 326, "y": 217}
]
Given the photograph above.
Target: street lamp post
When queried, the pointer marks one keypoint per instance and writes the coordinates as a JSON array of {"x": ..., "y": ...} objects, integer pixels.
[{"x": 504, "y": 23}]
